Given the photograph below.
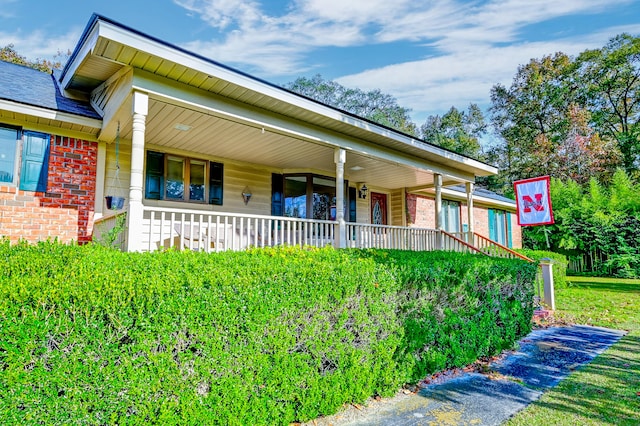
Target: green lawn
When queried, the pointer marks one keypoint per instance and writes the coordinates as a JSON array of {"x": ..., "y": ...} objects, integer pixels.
[{"x": 607, "y": 391}]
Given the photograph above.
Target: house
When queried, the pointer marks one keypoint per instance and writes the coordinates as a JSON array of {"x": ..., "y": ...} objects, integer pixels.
[{"x": 210, "y": 158}]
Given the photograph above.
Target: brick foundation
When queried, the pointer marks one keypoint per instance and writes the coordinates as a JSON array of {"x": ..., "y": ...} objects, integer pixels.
[{"x": 66, "y": 210}]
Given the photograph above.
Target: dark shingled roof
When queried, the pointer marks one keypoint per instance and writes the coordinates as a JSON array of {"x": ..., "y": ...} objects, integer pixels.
[
  {"x": 481, "y": 192},
  {"x": 32, "y": 87}
]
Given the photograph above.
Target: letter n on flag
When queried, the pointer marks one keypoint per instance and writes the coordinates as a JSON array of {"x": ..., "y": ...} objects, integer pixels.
[{"x": 533, "y": 201}]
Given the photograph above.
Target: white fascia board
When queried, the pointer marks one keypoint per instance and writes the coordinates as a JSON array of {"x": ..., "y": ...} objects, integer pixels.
[
  {"x": 189, "y": 60},
  {"x": 190, "y": 97},
  {"x": 479, "y": 199},
  {"x": 450, "y": 194},
  {"x": 84, "y": 50},
  {"x": 50, "y": 114},
  {"x": 494, "y": 203}
]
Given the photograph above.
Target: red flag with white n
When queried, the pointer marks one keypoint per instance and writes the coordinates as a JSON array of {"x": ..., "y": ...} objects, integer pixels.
[{"x": 533, "y": 201}]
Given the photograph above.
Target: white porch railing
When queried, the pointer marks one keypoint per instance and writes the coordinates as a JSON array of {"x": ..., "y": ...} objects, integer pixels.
[
  {"x": 216, "y": 231},
  {"x": 360, "y": 235}
]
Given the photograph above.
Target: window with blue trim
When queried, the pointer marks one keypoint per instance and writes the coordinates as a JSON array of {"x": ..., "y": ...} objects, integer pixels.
[
  {"x": 500, "y": 227},
  {"x": 450, "y": 216},
  {"x": 29, "y": 166}
]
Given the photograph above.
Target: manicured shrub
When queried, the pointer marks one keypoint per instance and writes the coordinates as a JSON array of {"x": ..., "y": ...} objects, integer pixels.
[
  {"x": 89, "y": 335},
  {"x": 559, "y": 267},
  {"x": 455, "y": 308}
]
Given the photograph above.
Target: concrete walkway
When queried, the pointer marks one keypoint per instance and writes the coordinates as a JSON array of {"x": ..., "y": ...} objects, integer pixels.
[{"x": 544, "y": 358}]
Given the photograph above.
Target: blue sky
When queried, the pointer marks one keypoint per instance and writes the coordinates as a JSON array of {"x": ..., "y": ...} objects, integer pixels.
[{"x": 430, "y": 55}]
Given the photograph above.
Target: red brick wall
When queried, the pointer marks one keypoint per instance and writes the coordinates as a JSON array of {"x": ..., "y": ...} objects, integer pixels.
[
  {"x": 421, "y": 211},
  {"x": 421, "y": 214},
  {"x": 516, "y": 232},
  {"x": 481, "y": 220},
  {"x": 66, "y": 210}
]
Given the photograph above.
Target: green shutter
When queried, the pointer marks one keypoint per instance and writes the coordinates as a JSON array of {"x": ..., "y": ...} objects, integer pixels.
[
  {"x": 216, "y": 175},
  {"x": 277, "y": 194},
  {"x": 492, "y": 225},
  {"x": 154, "y": 177},
  {"x": 35, "y": 162},
  {"x": 352, "y": 204},
  {"x": 509, "y": 239}
]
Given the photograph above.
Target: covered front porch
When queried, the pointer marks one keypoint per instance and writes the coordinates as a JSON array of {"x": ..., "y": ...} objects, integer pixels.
[
  {"x": 168, "y": 228},
  {"x": 209, "y": 158},
  {"x": 250, "y": 185}
]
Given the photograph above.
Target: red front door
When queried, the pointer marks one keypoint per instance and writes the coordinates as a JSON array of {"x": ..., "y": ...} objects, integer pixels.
[{"x": 378, "y": 208}]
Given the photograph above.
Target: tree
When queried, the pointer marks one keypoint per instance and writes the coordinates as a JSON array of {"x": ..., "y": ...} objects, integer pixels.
[
  {"x": 9, "y": 54},
  {"x": 458, "y": 131},
  {"x": 571, "y": 117},
  {"x": 373, "y": 105},
  {"x": 531, "y": 116},
  {"x": 609, "y": 84},
  {"x": 583, "y": 154},
  {"x": 601, "y": 222}
]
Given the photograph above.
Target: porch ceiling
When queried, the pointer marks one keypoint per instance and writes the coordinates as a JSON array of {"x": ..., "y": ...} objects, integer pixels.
[{"x": 217, "y": 137}]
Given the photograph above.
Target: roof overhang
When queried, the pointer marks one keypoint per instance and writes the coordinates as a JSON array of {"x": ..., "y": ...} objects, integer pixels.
[
  {"x": 170, "y": 74},
  {"x": 47, "y": 120},
  {"x": 478, "y": 199}
]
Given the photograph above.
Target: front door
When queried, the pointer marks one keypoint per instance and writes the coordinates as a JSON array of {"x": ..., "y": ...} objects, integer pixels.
[{"x": 378, "y": 208}]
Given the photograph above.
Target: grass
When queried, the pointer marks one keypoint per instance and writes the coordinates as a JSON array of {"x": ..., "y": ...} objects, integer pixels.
[{"x": 606, "y": 391}]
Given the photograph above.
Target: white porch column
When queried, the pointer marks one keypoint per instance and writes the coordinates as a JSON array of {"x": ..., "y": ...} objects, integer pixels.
[
  {"x": 438, "y": 182},
  {"x": 470, "y": 227},
  {"x": 101, "y": 165},
  {"x": 340, "y": 157},
  {"x": 134, "y": 216}
]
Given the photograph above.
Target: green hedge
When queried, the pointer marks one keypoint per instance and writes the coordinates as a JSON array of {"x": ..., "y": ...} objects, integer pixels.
[
  {"x": 90, "y": 335},
  {"x": 456, "y": 308},
  {"x": 559, "y": 268}
]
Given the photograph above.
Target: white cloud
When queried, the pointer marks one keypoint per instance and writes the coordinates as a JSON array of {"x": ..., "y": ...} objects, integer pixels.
[
  {"x": 433, "y": 85},
  {"x": 223, "y": 13},
  {"x": 291, "y": 36},
  {"x": 40, "y": 45},
  {"x": 275, "y": 45}
]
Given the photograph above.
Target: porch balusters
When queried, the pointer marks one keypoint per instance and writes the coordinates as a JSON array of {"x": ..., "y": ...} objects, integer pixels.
[{"x": 216, "y": 231}]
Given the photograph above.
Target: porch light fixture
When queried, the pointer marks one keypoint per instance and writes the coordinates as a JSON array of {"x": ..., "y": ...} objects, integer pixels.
[
  {"x": 246, "y": 195},
  {"x": 363, "y": 191}
]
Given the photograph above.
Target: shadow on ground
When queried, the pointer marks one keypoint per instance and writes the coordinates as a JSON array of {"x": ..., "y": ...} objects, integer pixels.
[{"x": 545, "y": 357}]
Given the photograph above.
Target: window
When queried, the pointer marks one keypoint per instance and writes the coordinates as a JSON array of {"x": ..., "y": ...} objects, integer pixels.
[
  {"x": 171, "y": 177},
  {"x": 175, "y": 178},
  {"x": 33, "y": 158},
  {"x": 451, "y": 216},
  {"x": 500, "y": 227},
  {"x": 197, "y": 171},
  {"x": 295, "y": 196},
  {"x": 308, "y": 196},
  {"x": 8, "y": 144}
]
